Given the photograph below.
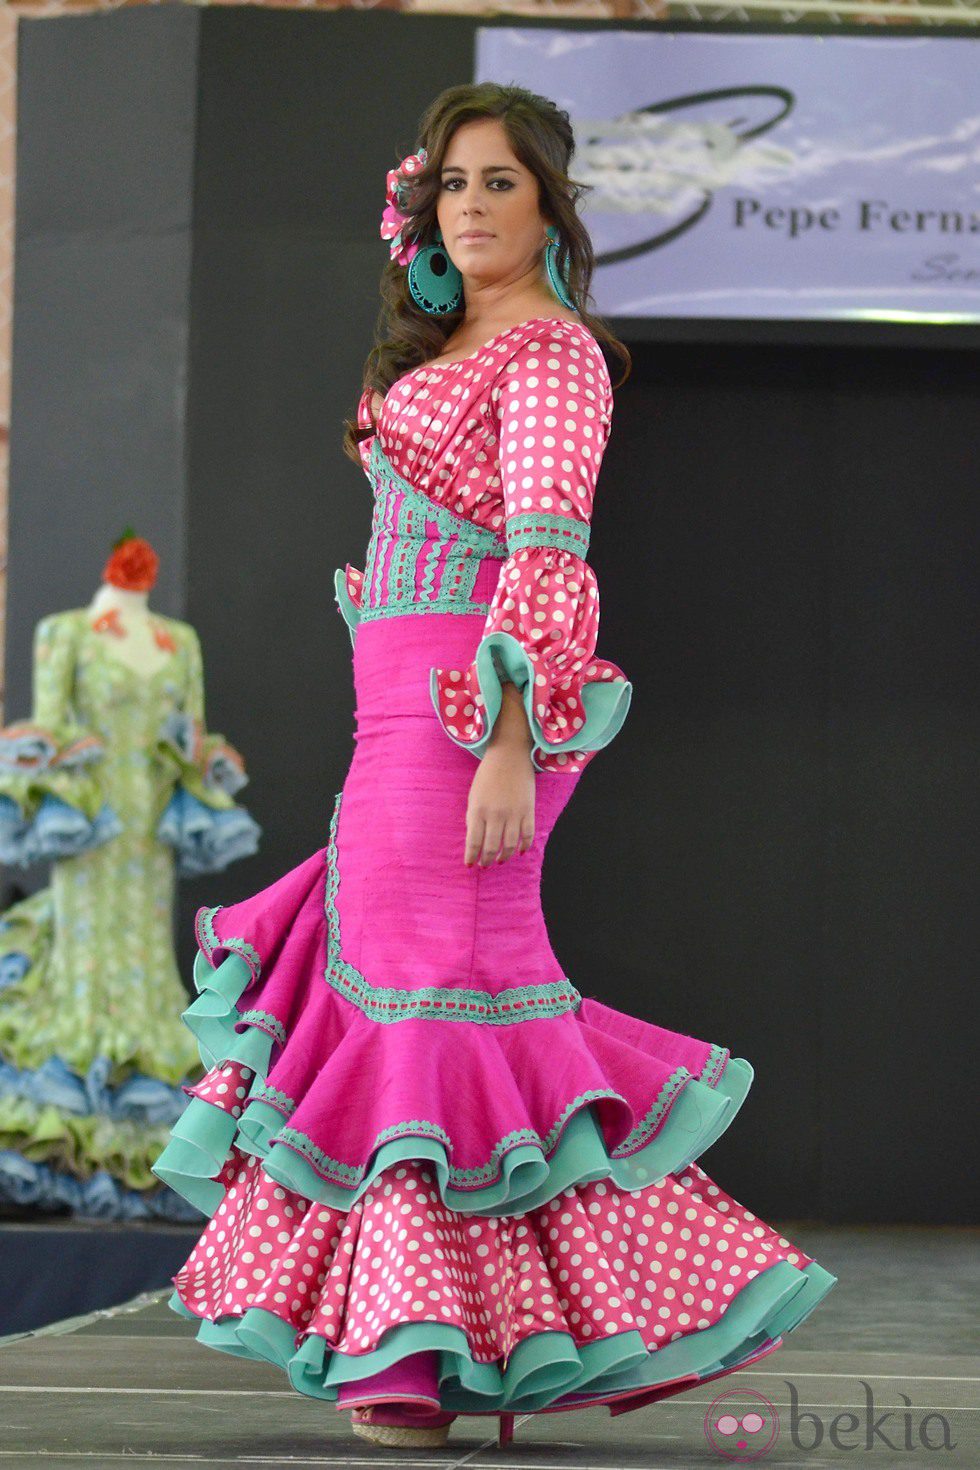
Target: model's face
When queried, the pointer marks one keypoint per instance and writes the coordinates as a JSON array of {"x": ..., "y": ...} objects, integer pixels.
[{"x": 485, "y": 189}]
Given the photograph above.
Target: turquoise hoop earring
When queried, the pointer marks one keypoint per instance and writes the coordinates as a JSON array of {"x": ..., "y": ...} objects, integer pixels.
[
  {"x": 558, "y": 282},
  {"x": 435, "y": 283}
]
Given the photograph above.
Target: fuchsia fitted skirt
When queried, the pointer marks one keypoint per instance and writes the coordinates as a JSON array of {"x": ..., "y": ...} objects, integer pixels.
[{"x": 436, "y": 1169}]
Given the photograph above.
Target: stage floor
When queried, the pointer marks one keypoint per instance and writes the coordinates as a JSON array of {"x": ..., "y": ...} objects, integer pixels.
[{"x": 895, "y": 1343}]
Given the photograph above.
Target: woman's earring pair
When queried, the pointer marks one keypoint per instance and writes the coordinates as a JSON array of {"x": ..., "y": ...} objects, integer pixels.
[{"x": 437, "y": 285}]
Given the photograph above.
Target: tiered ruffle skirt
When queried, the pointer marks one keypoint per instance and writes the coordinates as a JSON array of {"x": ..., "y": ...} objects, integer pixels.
[{"x": 435, "y": 1170}]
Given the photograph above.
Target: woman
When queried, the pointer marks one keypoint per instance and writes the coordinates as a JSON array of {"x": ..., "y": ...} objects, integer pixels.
[{"x": 441, "y": 1179}]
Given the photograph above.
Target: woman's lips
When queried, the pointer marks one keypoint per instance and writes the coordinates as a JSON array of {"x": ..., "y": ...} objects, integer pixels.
[{"x": 471, "y": 238}]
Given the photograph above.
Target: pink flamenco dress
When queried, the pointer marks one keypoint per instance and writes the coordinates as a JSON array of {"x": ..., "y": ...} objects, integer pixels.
[{"x": 438, "y": 1175}]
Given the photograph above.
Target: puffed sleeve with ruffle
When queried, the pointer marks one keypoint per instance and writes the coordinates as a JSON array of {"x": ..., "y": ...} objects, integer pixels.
[
  {"x": 552, "y": 407},
  {"x": 202, "y": 822},
  {"x": 51, "y": 799}
]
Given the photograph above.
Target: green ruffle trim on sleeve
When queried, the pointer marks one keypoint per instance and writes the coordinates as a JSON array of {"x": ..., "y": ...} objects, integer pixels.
[
  {"x": 606, "y": 701},
  {"x": 522, "y": 1176},
  {"x": 544, "y": 1370}
]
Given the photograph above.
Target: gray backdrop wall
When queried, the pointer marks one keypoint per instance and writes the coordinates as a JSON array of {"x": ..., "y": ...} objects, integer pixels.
[{"x": 778, "y": 852}]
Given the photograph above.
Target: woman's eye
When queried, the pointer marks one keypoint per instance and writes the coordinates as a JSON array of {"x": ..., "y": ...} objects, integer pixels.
[{"x": 449, "y": 183}]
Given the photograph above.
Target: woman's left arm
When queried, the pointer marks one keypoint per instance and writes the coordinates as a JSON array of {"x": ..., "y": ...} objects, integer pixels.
[{"x": 535, "y": 686}]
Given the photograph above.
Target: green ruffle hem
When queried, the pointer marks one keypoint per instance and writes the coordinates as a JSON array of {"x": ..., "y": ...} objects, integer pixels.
[
  {"x": 530, "y": 1174},
  {"x": 547, "y": 1370}
]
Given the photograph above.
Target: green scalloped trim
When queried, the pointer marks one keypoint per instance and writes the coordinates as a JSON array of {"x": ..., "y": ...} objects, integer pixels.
[
  {"x": 209, "y": 941},
  {"x": 386, "y": 1004},
  {"x": 442, "y": 604},
  {"x": 523, "y": 1171},
  {"x": 715, "y": 1064},
  {"x": 525, "y": 1178},
  {"x": 261, "y": 1090},
  {"x": 606, "y": 701},
  {"x": 429, "y": 568},
  {"x": 399, "y": 536},
  {"x": 385, "y": 478},
  {"x": 538, "y": 528},
  {"x": 416, "y": 609},
  {"x": 548, "y": 1370},
  {"x": 268, "y": 1022},
  {"x": 651, "y": 1121},
  {"x": 330, "y": 1168}
]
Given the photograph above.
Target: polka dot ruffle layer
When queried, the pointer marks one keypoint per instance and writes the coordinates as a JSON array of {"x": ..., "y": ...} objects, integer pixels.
[{"x": 665, "y": 1262}]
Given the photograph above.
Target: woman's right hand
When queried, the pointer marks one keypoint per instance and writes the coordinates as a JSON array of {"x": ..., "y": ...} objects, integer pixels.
[{"x": 500, "y": 809}]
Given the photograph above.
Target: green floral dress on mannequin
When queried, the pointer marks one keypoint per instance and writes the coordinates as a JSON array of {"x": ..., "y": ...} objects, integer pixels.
[{"x": 117, "y": 782}]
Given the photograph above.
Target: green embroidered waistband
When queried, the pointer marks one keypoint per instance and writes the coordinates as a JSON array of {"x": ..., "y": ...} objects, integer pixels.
[{"x": 422, "y": 557}]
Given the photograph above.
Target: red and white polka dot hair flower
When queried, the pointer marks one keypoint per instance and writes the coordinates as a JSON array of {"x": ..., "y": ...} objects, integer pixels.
[{"x": 392, "y": 220}]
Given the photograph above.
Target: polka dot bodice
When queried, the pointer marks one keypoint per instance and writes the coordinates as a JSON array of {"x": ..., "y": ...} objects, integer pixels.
[{"x": 512, "y": 438}]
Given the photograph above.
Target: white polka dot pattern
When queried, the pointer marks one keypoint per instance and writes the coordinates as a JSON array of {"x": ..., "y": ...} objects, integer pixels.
[
  {"x": 225, "y": 1086},
  {"x": 665, "y": 1261},
  {"x": 513, "y": 433}
]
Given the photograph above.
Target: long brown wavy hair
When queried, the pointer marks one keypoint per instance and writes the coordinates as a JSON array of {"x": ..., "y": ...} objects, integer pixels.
[{"x": 541, "y": 136}]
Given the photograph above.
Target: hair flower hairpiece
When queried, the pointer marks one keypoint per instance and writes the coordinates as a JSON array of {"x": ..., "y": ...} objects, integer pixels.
[{"x": 393, "y": 220}]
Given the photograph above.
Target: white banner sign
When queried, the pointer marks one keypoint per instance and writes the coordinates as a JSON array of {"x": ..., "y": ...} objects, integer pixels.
[{"x": 762, "y": 176}]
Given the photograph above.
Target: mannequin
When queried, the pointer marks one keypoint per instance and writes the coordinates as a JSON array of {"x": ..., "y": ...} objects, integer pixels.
[
  {"x": 119, "y": 609},
  {"x": 135, "y": 637},
  {"x": 117, "y": 780}
]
